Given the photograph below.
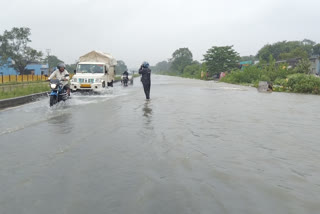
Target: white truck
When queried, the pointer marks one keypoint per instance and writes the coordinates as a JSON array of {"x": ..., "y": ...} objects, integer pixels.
[{"x": 95, "y": 71}]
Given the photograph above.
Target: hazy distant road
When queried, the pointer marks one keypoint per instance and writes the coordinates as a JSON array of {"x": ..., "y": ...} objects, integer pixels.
[{"x": 196, "y": 147}]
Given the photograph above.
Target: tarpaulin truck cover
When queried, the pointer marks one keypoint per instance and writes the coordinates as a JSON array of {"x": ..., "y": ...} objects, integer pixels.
[{"x": 98, "y": 56}]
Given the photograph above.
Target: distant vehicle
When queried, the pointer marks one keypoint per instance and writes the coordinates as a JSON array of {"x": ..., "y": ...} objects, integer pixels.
[
  {"x": 95, "y": 71},
  {"x": 124, "y": 80},
  {"x": 130, "y": 77}
]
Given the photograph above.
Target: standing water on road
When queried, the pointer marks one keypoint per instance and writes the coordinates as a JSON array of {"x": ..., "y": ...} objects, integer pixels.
[{"x": 195, "y": 147}]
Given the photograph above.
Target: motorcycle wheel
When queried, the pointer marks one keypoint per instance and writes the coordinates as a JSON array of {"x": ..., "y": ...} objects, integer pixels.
[{"x": 53, "y": 100}]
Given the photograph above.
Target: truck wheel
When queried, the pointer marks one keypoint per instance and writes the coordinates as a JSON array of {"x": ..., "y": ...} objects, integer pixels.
[
  {"x": 103, "y": 85},
  {"x": 110, "y": 83}
]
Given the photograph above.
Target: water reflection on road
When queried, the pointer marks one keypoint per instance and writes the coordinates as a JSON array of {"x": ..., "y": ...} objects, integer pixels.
[
  {"x": 147, "y": 111},
  {"x": 195, "y": 147},
  {"x": 147, "y": 114}
]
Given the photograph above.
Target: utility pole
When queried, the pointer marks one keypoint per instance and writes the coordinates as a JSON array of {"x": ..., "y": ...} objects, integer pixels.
[{"x": 48, "y": 53}]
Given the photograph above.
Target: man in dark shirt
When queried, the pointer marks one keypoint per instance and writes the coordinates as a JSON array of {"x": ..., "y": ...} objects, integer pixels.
[{"x": 145, "y": 78}]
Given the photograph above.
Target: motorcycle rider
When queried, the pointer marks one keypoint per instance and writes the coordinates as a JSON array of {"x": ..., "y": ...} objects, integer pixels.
[
  {"x": 125, "y": 75},
  {"x": 146, "y": 78},
  {"x": 59, "y": 74}
]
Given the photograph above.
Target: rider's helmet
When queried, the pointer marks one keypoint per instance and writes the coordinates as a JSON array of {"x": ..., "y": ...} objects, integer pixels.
[
  {"x": 61, "y": 65},
  {"x": 145, "y": 65}
]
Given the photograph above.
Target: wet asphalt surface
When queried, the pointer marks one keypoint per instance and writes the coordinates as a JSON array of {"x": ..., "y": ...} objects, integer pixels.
[{"x": 195, "y": 147}]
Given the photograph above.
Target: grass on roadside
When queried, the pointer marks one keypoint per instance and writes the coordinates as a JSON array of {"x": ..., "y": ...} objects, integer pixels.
[
  {"x": 24, "y": 90},
  {"x": 20, "y": 83}
]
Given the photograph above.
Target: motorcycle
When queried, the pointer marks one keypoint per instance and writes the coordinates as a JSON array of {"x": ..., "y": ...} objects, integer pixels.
[
  {"x": 58, "y": 93},
  {"x": 124, "y": 80}
]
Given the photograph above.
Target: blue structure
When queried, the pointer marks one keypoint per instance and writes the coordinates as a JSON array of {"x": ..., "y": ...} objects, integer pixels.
[
  {"x": 7, "y": 70},
  {"x": 244, "y": 64},
  {"x": 35, "y": 69}
]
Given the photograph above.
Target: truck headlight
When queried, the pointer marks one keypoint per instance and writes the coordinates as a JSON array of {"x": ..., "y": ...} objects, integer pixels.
[
  {"x": 73, "y": 80},
  {"x": 98, "y": 80}
]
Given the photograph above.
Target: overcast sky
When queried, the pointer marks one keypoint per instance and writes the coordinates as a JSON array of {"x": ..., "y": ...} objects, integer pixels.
[{"x": 148, "y": 30}]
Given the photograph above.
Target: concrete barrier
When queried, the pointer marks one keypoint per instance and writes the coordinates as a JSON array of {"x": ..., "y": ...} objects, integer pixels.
[
  {"x": 12, "y": 102},
  {"x": 264, "y": 86}
]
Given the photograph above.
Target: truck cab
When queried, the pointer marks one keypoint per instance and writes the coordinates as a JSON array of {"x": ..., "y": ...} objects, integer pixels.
[{"x": 93, "y": 73}]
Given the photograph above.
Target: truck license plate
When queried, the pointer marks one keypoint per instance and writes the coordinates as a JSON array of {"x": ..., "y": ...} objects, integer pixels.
[{"x": 85, "y": 85}]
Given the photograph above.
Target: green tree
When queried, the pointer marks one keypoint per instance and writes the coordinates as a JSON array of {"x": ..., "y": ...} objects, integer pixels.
[
  {"x": 308, "y": 42},
  {"x": 121, "y": 67},
  {"x": 161, "y": 66},
  {"x": 247, "y": 58},
  {"x": 221, "y": 59},
  {"x": 180, "y": 59},
  {"x": 193, "y": 70},
  {"x": 299, "y": 52},
  {"x": 53, "y": 61},
  {"x": 303, "y": 66},
  {"x": 14, "y": 45},
  {"x": 272, "y": 64},
  {"x": 283, "y": 50},
  {"x": 204, "y": 68},
  {"x": 316, "y": 49},
  {"x": 71, "y": 67}
]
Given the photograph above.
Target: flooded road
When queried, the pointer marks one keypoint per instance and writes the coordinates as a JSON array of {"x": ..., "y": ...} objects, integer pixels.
[{"x": 196, "y": 147}]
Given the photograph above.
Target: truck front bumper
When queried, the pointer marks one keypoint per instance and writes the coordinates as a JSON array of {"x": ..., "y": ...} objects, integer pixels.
[{"x": 75, "y": 86}]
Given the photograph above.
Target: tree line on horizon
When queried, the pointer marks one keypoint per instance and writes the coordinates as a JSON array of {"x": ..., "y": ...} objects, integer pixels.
[
  {"x": 14, "y": 45},
  {"x": 225, "y": 58}
]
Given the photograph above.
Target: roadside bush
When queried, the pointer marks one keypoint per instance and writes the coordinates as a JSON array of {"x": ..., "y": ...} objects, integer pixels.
[
  {"x": 248, "y": 75},
  {"x": 280, "y": 73},
  {"x": 265, "y": 78},
  {"x": 303, "y": 83},
  {"x": 192, "y": 71},
  {"x": 254, "y": 74},
  {"x": 280, "y": 85},
  {"x": 281, "y": 82}
]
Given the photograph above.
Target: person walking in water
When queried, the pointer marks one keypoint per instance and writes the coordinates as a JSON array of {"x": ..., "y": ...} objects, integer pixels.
[{"x": 146, "y": 78}]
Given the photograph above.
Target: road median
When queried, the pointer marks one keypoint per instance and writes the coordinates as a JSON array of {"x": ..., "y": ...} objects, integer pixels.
[{"x": 12, "y": 102}]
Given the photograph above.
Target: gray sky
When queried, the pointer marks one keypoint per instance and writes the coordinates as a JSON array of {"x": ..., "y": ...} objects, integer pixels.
[{"x": 148, "y": 30}]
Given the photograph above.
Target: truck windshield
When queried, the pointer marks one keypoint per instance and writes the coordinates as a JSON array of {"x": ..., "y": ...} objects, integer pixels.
[{"x": 90, "y": 68}]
